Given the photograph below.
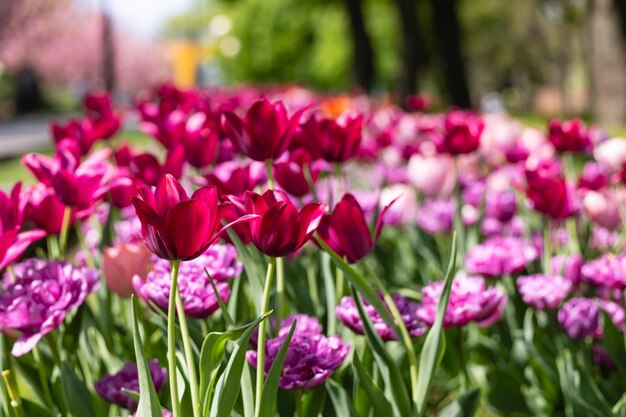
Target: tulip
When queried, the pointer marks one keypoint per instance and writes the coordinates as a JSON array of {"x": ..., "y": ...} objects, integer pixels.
[
  {"x": 76, "y": 184},
  {"x": 264, "y": 133},
  {"x": 290, "y": 175},
  {"x": 548, "y": 191},
  {"x": 44, "y": 209},
  {"x": 175, "y": 226},
  {"x": 543, "y": 292},
  {"x": 593, "y": 177},
  {"x": 433, "y": 176},
  {"x": 14, "y": 243},
  {"x": 462, "y": 131},
  {"x": 280, "y": 229},
  {"x": 333, "y": 140},
  {"x": 147, "y": 168},
  {"x": 346, "y": 232},
  {"x": 611, "y": 154},
  {"x": 569, "y": 136},
  {"x": 608, "y": 271},
  {"x": 233, "y": 178},
  {"x": 201, "y": 139},
  {"x": 78, "y": 132},
  {"x": 602, "y": 207},
  {"x": 101, "y": 115},
  {"x": 121, "y": 263}
]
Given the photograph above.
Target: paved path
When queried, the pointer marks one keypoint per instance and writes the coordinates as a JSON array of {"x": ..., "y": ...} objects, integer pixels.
[{"x": 25, "y": 134}]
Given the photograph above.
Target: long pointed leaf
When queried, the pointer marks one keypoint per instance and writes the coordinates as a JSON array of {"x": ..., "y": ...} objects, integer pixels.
[
  {"x": 433, "y": 344},
  {"x": 380, "y": 404}
]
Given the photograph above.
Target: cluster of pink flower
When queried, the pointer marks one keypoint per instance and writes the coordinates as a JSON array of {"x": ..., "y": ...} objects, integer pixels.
[{"x": 327, "y": 176}]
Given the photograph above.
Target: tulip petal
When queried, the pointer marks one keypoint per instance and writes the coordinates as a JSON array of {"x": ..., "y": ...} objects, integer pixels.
[
  {"x": 310, "y": 217},
  {"x": 168, "y": 193},
  {"x": 187, "y": 227}
]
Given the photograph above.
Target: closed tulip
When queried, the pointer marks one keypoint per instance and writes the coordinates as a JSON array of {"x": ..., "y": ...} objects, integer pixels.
[
  {"x": 433, "y": 176},
  {"x": 462, "y": 132},
  {"x": 346, "y": 232},
  {"x": 176, "y": 226},
  {"x": 280, "y": 229},
  {"x": 121, "y": 263},
  {"x": 264, "y": 133},
  {"x": 333, "y": 140},
  {"x": 569, "y": 136}
]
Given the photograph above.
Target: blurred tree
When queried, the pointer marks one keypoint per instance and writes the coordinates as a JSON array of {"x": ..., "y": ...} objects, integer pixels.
[
  {"x": 413, "y": 51},
  {"x": 363, "y": 55}
]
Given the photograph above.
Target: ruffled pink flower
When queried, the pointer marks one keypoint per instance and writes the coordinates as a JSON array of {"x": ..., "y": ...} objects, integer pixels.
[
  {"x": 607, "y": 271},
  {"x": 500, "y": 256},
  {"x": 544, "y": 292}
]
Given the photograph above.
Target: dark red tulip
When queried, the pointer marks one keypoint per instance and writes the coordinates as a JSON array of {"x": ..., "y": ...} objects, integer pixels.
[
  {"x": 201, "y": 139},
  {"x": 462, "y": 131},
  {"x": 233, "y": 178},
  {"x": 175, "y": 226},
  {"x": 333, "y": 140},
  {"x": 569, "y": 136},
  {"x": 282, "y": 229},
  {"x": 265, "y": 132},
  {"x": 77, "y": 184},
  {"x": 79, "y": 132},
  {"x": 548, "y": 190},
  {"x": 146, "y": 167},
  {"x": 346, "y": 232},
  {"x": 13, "y": 242},
  {"x": 104, "y": 120},
  {"x": 593, "y": 177},
  {"x": 290, "y": 174}
]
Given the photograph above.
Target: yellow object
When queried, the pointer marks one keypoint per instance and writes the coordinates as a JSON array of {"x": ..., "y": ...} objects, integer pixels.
[{"x": 186, "y": 57}]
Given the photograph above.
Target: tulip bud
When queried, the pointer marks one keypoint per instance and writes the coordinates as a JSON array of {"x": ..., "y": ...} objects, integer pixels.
[{"x": 123, "y": 261}]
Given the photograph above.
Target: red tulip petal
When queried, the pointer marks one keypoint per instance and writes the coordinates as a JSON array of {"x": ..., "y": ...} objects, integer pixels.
[
  {"x": 187, "y": 227},
  {"x": 310, "y": 217},
  {"x": 278, "y": 233},
  {"x": 381, "y": 218},
  {"x": 350, "y": 229},
  {"x": 19, "y": 245},
  {"x": 168, "y": 193},
  {"x": 254, "y": 203},
  {"x": 208, "y": 195}
]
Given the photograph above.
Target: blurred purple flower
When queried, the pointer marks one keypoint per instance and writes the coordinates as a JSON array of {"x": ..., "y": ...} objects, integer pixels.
[
  {"x": 568, "y": 266},
  {"x": 109, "y": 387},
  {"x": 544, "y": 292},
  {"x": 39, "y": 298},
  {"x": 435, "y": 216},
  {"x": 198, "y": 298},
  {"x": 499, "y": 256},
  {"x": 348, "y": 313},
  {"x": 311, "y": 357},
  {"x": 501, "y": 205},
  {"x": 606, "y": 271},
  {"x": 580, "y": 317},
  {"x": 470, "y": 300}
]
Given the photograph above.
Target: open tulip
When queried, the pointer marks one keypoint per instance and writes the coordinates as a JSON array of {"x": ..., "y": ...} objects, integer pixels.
[
  {"x": 233, "y": 178},
  {"x": 569, "y": 136},
  {"x": 265, "y": 132},
  {"x": 176, "y": 226},
  {"x": 346, "y": 232},
  {"x": 548, "y": 191},
  {"x": 280, "y": 229},
  {"x": 462, "y": 132}
]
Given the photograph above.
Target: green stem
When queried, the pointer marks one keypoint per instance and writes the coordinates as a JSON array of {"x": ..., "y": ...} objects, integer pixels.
[
  {"x": 14, "y": 393},
  {"x": 405, "y": 337},
  {"x": 43, "y": 378},
  {"x": 337, "y": 183},
  {"x": 260, "y": 364},
  {"x": 465, "y": 379},
  {"x": 65, "y": 227},
  {"x": 459, "y": 226},
  {"x": 297, "y": 394},
  {"x": 53, "y": 247},
  {"x": 339, "y": 286},
  {"x": 280, "y": 292},
  {"x": 91, "y": 261},
  {"x": 270, "y": 175},
  {"x": 308, "y": 176},
  {"x": 189, "y": 358},
  {"x": 56, "y": 355},
  {"x": 171, "y": 339}
]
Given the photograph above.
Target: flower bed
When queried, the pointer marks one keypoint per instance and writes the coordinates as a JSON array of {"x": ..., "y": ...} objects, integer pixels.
[{"x": 281, "y": 252}]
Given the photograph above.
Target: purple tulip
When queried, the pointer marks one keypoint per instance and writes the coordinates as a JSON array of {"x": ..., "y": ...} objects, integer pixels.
[
  {"x": 311, "y": 357},
  {"x": 580, "y": 317},
  {"x": 348, "y": 313},
  {"x": 607, "y": 271},
  {"x": 569, "y": 266},
  {"x": 470, "y": 300},
  {"x": 39, "y": 298},
  {"x": 544, "y": 292},
  {"x": 436, "y": 216},
  {"x": 109, "y": 387},
  {"x": 198, "y": 298},
  {"x": 500, "y": 256}
]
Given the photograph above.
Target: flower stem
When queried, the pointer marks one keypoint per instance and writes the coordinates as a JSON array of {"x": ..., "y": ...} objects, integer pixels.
[
  {"x": 14, "y": 393},
  {"x": 191, "y": 365},
  {"x": 547, "y": 247},
  {"x": 260, "y": 361},
  {"x": 308, "y": 176},
  {"x": 43, "y": 379},
  {"x": 91, "y": 261},
  {"x": 280, "y": 291},
  {"x": 171, "y": 339},
  {"x": 270, "y": 175},
  {"x": 65, "y": 226},
  {"x": 465, "y": 378}
]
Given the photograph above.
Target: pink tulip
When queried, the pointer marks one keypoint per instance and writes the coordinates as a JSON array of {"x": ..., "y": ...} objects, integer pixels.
[
  {"x": 122, "y": 262},
  {"x": 611, "y": 154},
  {"x": 602, "y": 207},
  {"x": 433, "y": 176}
]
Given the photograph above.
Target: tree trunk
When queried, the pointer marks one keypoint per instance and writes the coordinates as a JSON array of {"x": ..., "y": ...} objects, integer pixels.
[
  {"x": 108, "y": 51},
  {"x": 448, "y": 34},
  {"x": 363, "y": 54},
  {"x": 607, "y": 62},
  {"x": 413, "y": 53}
]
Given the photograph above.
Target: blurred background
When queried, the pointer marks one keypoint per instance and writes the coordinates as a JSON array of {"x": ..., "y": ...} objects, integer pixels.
[{"x": 531, "y": 57}]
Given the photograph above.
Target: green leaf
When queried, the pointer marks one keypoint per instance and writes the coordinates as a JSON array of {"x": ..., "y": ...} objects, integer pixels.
[
  {"x": 464, "y": 406},
  {"x": 251, "y": 264},
  {"x": 433, "y": 345},
  {"x": 212, "y": 354},
  {"x": 148, "y": 401},
  {"x": 340, "y": 399},
  {"x": 360, "y": 283},
  {"x": 270, "y": 386},
  {"x": 393, "y": 376},
  {"x": 78, "y": 397},
  {"x": 32, "y": 409},
  {"x": 380, "y": 404},
  {"x": 229, "y": 320},
  {"x": 229, "y": 383},
  {"x": 313, "y": 402}
]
